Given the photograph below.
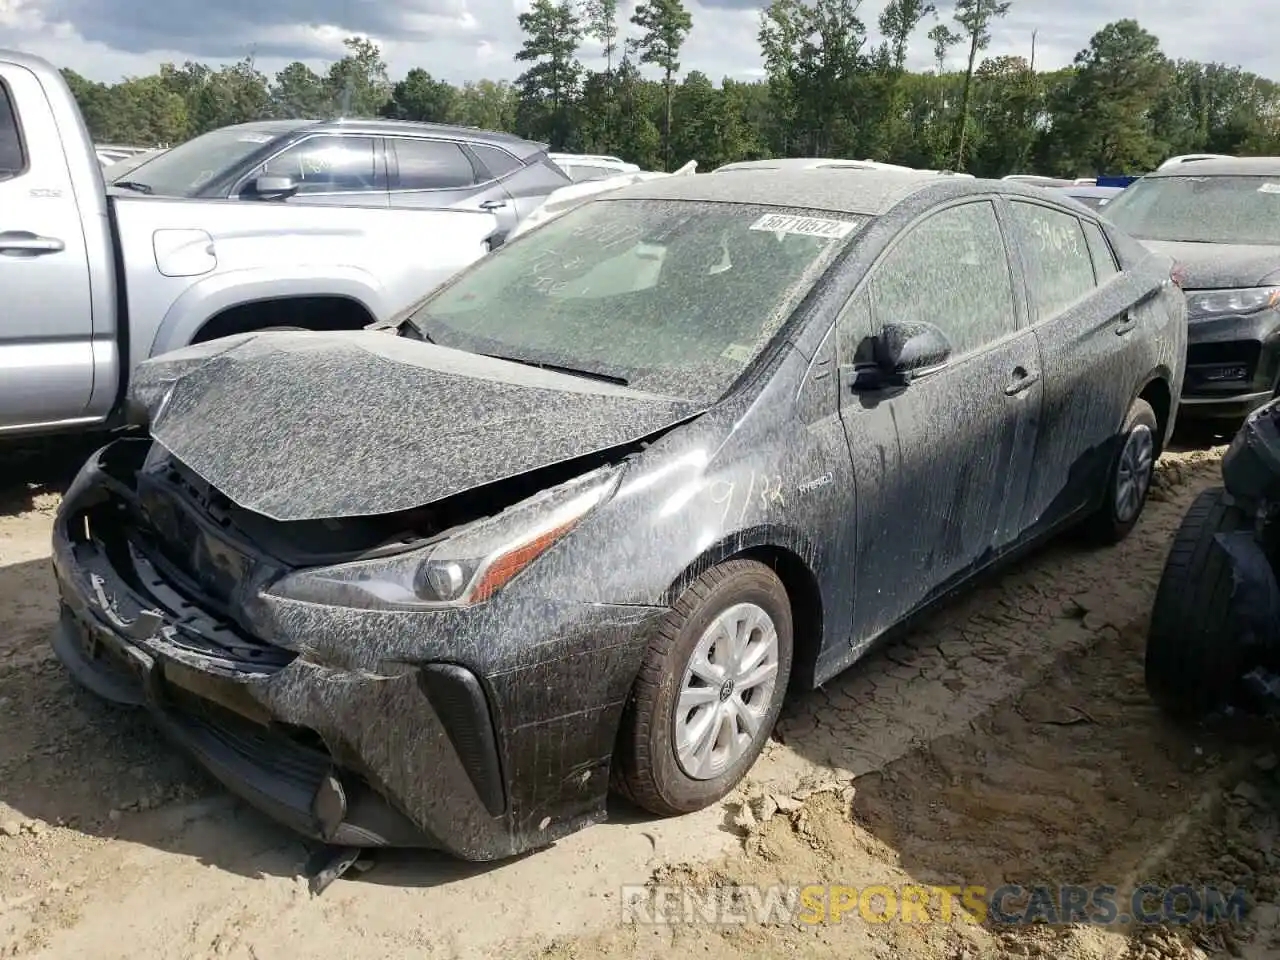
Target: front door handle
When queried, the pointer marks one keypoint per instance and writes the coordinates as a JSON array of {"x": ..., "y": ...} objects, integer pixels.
[
  {"x": 1022, "y": 379},
  {"x": 1126, "y": 325},
  {"x": 493, "y": 205},
  {"x": 24, "y": 242}
]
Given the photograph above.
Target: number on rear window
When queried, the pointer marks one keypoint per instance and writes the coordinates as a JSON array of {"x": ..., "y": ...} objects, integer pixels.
[{"x": 1056, "y": 254}]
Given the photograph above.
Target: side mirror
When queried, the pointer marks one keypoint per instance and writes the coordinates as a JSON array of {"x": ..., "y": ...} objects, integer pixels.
[
  {"x": 275, "y": 188},
  {"x": 904, "y": 348}
]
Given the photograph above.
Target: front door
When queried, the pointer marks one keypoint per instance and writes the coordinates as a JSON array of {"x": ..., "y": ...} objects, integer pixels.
[
  {"x": 941, "y": 465},
  {"x": 47, "y": 349}
]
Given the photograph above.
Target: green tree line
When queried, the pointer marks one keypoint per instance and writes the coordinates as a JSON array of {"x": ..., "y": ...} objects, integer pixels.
[{"x": 833, "y": 87}]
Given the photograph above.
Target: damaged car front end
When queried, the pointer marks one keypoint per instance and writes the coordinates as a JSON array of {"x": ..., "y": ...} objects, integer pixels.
[{"x": 319, "y": 693}]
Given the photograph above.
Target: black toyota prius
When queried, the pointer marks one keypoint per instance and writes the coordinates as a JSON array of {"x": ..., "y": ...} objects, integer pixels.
[{"x": 583, "y": 515}]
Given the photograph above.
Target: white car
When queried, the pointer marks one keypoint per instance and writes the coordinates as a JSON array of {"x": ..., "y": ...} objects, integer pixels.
[{"x": 584, "y": 167}]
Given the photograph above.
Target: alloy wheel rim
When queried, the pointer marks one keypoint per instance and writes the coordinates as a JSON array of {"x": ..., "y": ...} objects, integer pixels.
[
  {"x": 1134, "y": 474},
  {"x": 726, "y": 692}
]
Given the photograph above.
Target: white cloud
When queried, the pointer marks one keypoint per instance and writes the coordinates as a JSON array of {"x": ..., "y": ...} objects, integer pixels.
[{"x": 461, "y": 40}]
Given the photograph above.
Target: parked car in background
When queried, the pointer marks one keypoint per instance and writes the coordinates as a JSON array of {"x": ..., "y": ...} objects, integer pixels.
[
  {"x": 1037, "y": 180},
  {"x": 96, "y": 279},
  {"x": 112, "y": 153},
  {"x": 118, "y": 169},
  {"x": 1091, "y": 196},
  {"x": 1220, "y": 220},
  {"x": 1178, "y": 161},
  {"x": 380, "y": 164},
  {"x": 584, "y": 167},
  {"x": 823, "y": 163},
  {"x": 591, "y": 508}
]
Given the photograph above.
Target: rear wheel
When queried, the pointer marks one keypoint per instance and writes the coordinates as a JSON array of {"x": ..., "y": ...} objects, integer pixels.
[
  {"x": 709, "y": 691},
  {"x": 1194, "y": 657},
  {"x": 1128, "y": 479}
]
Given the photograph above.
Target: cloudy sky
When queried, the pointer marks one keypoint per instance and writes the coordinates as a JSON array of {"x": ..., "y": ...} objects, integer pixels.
[{"x": 461, "y": 40}]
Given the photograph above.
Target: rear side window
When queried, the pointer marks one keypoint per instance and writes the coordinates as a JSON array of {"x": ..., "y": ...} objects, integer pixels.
[
  {"x": 1104, "y": 259},
  {"x": 1056, "y": 255},
  {"x": 498, "y": 162},
  {"x": 12, "y": 157},
  {"x": 432, "y": 165}
]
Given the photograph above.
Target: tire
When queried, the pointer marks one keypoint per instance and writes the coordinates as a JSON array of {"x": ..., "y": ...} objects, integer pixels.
[
  {"x": 646, "y": 766},
  {"x": 1109, "y": 524},
  {"x": 1194, "y": 658}
]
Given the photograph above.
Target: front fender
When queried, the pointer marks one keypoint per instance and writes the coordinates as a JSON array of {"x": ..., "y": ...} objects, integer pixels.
[{"x": 213, "y": 294}]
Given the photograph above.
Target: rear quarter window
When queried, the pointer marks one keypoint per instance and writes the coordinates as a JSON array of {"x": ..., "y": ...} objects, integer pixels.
[
  {"x": 1104, "y": 259},
  {"x": 13, "y": 157}
]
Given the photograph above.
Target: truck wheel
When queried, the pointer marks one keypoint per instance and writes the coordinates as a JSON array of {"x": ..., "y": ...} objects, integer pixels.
[
  {"x": 1194, "y": 657},
  {"x": 709, "y": 691},
  {"x": 1128, "y": 478}
]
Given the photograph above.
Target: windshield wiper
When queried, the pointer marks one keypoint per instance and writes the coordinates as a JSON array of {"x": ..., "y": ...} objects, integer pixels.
[
  {"x": 131, "y": 185},
  {"x": 558, "y": 368}
]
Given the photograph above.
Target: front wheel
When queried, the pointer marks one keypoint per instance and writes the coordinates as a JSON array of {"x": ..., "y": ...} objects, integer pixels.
[
  {"x": 709, "y": 691},
  {"x": 1128, "y": 479}
]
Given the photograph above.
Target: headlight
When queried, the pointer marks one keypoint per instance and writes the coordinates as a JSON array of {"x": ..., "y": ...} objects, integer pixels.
[
  {"x": 465, "y": 568},
  {"x": 1213, "y": 303}
]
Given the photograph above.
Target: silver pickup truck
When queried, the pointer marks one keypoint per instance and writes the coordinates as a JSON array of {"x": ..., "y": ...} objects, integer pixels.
[{"x": 94, "y": 281}]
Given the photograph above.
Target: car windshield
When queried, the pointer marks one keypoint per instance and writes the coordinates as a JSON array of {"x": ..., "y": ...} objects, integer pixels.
[
  {"x": 184, "y": 169},
  {"x": 1200, "y": 209},
  {"x": 673, "y": 297}
]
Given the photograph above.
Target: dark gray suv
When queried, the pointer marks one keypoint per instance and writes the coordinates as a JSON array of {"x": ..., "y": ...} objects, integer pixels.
[{"x": 365, "y": 163}]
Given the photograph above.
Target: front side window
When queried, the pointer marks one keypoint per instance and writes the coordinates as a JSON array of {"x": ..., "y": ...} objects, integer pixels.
[
  {"x": 951, "y": 271},
  {"x": 12, "y": 157},
  {"x": 1056, "y": 255},
  {"x": 674, "y": 297},
  {"x": 1218, "y": 209},
  {"x": 328, "y": 165}
]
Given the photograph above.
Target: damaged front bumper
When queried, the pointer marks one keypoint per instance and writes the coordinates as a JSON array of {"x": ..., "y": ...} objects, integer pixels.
[{"x": 483, "y": 759}]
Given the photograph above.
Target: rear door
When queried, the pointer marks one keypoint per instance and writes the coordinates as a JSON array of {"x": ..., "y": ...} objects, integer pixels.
[
  {"x": 47, "y": 351},
  {"x": 939, "y": 464},
  {"x": 429, "y": 173},
  {"x": 1085, "y": 318}
]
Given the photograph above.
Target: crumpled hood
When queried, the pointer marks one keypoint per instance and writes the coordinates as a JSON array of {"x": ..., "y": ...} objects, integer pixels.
[
  {"x": 1220, "y": 266},
  {"x": 304, "y": 426}
]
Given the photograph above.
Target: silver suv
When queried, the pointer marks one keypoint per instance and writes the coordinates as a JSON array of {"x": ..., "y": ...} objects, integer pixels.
[{"x": 356, "y": 163}]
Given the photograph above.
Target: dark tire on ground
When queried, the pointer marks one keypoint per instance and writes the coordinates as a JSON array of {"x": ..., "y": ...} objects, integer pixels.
[
  {"x": 1194, "y": 658},
  {"x": 1105, "y": 526},
  {"x": 646, "y": 769}
]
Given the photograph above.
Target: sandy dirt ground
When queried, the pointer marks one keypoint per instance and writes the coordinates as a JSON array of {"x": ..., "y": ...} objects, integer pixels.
[{"x": 1008, "y": 740}]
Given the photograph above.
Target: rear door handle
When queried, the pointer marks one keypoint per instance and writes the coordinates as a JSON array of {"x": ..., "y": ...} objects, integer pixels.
[
  {"x": 1126, "y": 325},
  {"x": 1022, "y": 379},
  {"x": 493, "y": 205},
  {"x": 21, "y": 241}
]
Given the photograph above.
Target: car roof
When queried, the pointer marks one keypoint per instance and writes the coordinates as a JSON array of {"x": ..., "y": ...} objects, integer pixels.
[
  {"x": 1231, "y": 167},
  {"x": 864, "y": 192}
]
